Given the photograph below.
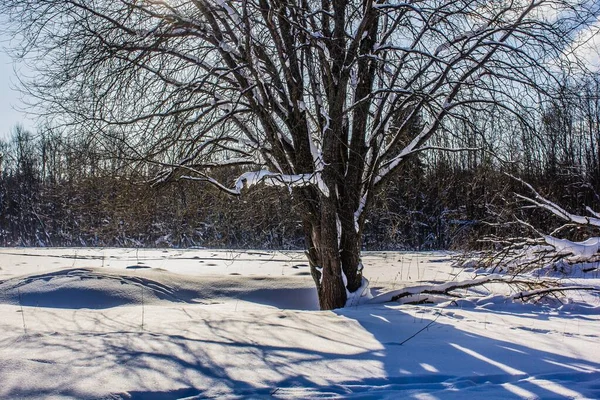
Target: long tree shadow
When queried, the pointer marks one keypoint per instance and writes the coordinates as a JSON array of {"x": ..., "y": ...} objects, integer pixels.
[
  {"x": 193, "y": 352},
  {"x": 440, "y": 362},
  {"x": 443, "y": 361},
  {"x": 362, "y": 352}
]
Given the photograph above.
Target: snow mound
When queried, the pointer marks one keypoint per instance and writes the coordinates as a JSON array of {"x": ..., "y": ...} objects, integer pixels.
[
  {"x": 86, "y": 288},
  {"x": 91, "y": 288},
  {"x": 585, "y": 249},
  {"x": 563, "y": 269}
]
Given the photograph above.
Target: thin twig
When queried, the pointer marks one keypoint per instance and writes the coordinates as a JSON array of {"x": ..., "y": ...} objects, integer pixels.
[
  {"x": 22, "y": 311},
  {"x": 422, "y": 329},
  {"x": 143, "y": 309}
]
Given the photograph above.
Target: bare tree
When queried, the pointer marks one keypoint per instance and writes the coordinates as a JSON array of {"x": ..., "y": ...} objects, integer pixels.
[{"x": 312, "y": 95}]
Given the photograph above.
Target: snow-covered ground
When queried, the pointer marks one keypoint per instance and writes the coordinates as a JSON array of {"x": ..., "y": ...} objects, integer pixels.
[{"x": 154, "y": 324}]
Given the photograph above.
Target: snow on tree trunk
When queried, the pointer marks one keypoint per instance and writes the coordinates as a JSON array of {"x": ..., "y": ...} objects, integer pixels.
[
  {"x": 351, "y": 240},
  {"x": 333, "y": 251}
]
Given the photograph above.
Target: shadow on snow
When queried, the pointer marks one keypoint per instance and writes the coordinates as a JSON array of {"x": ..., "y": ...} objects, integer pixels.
[{"x": 440, "y": 362}]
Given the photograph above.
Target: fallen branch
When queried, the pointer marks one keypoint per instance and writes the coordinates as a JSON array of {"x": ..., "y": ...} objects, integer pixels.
[
  {"x": 447, "y": 288},
  {"x": 526, "y": 295},
  {"x": 427, "y": 293}
]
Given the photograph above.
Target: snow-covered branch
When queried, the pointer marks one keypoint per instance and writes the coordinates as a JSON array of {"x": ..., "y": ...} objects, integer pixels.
[
  {"x": 249, "y": 179},
  {"x": 542, "y": 202},
  {"x": 536, "y": 288},
  {"x": 548, "y": 254},
  {"x": 447, "y": 288}
]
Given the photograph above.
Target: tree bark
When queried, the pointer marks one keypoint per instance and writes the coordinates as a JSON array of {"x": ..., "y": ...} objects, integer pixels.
[
  {"x": 333, "y": 255},
  {"x": 326, "y": 269}
]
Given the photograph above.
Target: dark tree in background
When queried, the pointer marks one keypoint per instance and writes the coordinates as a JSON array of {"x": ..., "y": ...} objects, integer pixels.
[{"x": 317, "y": 96}]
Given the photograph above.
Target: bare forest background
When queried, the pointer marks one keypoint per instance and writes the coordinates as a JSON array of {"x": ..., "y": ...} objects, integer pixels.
[{"x": 62, "y": 191}]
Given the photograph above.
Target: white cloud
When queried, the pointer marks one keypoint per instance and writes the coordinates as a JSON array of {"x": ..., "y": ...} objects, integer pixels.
[{"x": 586, "y": 47}]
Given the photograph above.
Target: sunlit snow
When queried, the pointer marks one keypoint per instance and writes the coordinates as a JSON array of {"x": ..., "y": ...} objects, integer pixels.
[{"x": 154, "y": 324}]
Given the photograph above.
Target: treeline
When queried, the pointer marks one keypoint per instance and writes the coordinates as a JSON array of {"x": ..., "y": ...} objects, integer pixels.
[{"x": 65, "y": 191}]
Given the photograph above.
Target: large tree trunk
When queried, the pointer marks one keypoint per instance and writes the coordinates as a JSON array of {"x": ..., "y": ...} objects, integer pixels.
[{"x": 333, "y": 253}]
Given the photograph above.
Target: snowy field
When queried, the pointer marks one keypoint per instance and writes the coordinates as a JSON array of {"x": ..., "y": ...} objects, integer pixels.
[{"x": 154, "y": 324}]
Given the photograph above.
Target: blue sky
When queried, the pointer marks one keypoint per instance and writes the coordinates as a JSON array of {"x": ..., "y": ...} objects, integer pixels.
[{"x": 10, "y": 99}]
